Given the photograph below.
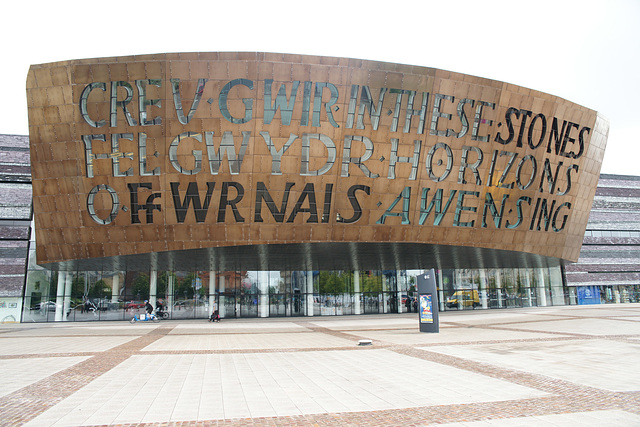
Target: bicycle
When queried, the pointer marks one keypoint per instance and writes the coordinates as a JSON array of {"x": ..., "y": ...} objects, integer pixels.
[
  {"x": 145, "y": 318},
  {"x": 162, "y": 314}
]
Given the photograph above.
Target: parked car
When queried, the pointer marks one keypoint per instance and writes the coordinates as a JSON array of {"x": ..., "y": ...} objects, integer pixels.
[
  {"x": 47, "y": 306},
  {"x": 106, "y": 304},
  {"x": 468, "y": 298},
  {"x": 188, "y": 304},
  {"x": 134, "y": 305}
]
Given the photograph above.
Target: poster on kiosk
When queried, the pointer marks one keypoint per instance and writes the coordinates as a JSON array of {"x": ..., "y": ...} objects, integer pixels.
[{"x": 428, "y": 302}]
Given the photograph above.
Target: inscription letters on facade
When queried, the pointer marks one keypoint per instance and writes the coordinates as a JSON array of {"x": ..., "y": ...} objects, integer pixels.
[
  {"x": 247, "y": 152},
  {"x": 532, "y": 142}
]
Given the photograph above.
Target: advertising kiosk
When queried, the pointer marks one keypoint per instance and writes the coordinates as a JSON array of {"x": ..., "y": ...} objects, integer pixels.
[{"x": 428, "y": 302}]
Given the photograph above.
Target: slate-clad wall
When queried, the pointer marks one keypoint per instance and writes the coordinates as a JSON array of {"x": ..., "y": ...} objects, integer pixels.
[
  {"x": 610, "y": 253},
  {"x": 15, "y": 212}
]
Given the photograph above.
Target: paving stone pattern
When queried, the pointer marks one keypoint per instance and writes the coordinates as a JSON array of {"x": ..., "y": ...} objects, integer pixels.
[{"x": 556, "y": 366}]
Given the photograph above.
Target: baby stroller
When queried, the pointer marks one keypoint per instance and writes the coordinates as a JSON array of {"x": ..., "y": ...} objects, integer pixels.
[{"x": 215, "y": 317}]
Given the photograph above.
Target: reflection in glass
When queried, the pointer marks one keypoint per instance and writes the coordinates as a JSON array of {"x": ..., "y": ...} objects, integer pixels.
[{"x": 118, "y": 295}]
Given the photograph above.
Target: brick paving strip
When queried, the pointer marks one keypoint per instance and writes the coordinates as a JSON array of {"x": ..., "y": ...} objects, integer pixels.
[
  {"x": 567, "y": 397},
  {"x": 25, "y": 404}
]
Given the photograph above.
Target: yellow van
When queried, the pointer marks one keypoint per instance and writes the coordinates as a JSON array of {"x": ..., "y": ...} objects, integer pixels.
[{"x": 467, "y": 298}]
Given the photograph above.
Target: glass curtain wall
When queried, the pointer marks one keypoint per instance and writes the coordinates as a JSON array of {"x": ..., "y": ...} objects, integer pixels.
[
  {"x": 118, "y": 295},
  {"x": 468, "y": 289},
  {"x": 287, "y": 293}
]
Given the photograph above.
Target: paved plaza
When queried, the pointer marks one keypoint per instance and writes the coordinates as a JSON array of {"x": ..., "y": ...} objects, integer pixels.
[{"x": 553, "y": 366}]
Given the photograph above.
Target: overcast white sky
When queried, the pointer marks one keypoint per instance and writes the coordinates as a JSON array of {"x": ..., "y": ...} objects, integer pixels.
[{"x": 585, "y": 51}]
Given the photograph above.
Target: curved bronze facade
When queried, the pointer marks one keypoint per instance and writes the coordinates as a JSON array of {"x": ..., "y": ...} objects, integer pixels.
[{"x": 271, "y": 160}]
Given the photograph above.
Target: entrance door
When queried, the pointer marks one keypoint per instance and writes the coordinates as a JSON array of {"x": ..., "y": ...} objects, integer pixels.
[
  {"x": 227, "y": 305},
  {"x": 248, "y": 305},
  {"x": 281, "y": 305},
  {"x": 277, "y": 305},
  {"x": 393, "y": 302},
  {"x": 372, "y": 302},
  {"x": 298, "y": 303}
]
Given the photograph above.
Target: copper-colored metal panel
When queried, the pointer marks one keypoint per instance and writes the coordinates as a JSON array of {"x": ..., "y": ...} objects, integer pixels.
[{"x": 293, "y": 156}]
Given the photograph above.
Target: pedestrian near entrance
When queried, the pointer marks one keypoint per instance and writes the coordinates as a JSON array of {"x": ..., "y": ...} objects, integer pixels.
[
  {"x": 407, "y": 303},
  {"x": 215, "y": 316}
]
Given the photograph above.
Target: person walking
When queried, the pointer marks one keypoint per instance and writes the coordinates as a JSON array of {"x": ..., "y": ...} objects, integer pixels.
[{"x": 215, "y": 316}]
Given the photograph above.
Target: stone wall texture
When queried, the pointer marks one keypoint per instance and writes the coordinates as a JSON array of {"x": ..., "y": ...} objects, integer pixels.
[
  {"x": 15, "y": 212},
  {"x": 610, "y": 254}
]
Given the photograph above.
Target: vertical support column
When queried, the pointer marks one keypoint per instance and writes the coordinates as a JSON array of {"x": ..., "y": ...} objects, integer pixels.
[
  {"x": 309, "y": 304},
  {"x": 85, "y": 291},
  {"x": 527, "y": 283},
  {"x": 263, "y": 298},
  {"x": 222, "y": 305},
  {"x": 115, "y": 287},
  {"x": 542, "y": 293},
  {"x": 62, "y": 275},
  {"x": 170, "y": 291},
  {"x": 67, "y": 296},
  {"x": 483, "y": 289},
  {"x": 385, "y": 294},
  {"x": 357, "y": 295},
  {"x": 153, "y": 287},
  {"x": 399, "y": 289},
  {"x": 499, "y": 287},
  {"x": 457, "y": 288},
  {"x": 441, "y": 291},
  {"x": 212, "y": 293},
  {"x": 572, "y": 296},
  {"x": 556, "y": 286},
  {"x": 238, "y": 305}
]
